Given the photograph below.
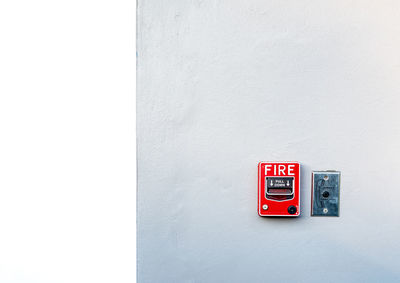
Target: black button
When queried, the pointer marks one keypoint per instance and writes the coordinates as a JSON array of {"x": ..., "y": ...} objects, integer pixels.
[
  {"x": 325, "y": 194},
  {"x": 292, "y": 209}
]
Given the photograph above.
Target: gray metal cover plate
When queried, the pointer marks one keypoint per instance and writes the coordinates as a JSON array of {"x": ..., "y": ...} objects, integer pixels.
[{"x": 325, "y": 193}]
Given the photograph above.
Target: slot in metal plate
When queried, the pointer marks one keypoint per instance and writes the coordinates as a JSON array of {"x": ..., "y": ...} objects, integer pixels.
[{"x": 325, "y": 193}]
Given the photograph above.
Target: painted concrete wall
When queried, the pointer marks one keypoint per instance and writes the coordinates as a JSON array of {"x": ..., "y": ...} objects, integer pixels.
[{"x": 225, "y": 84}]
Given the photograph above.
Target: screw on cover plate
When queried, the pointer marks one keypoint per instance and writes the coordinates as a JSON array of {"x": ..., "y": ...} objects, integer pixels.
[
  {"x": 325, "y": 210},
  {"x": 265, "y": 207}
]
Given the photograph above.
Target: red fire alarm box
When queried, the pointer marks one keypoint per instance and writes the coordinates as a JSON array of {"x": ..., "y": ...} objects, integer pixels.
[{"x": 279, "y": 188}]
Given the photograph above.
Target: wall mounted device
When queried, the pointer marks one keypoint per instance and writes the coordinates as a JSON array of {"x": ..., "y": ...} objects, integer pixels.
[
  {"x": 325, "y": 193},
  {"x": 279, "y": 188}
]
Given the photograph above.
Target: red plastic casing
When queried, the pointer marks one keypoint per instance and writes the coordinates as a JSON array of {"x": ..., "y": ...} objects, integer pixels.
[{"x": 278, "y": 169}]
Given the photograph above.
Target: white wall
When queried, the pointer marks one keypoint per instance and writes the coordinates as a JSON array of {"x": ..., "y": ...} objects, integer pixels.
[
  {"x": 225, "y": 84},
  {"x": 67, "y": 141}
]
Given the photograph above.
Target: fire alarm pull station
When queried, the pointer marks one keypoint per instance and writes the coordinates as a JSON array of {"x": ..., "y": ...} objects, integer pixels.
[
  {"x": 279, "y": 188},
  {"x": 325, "y": 193}
]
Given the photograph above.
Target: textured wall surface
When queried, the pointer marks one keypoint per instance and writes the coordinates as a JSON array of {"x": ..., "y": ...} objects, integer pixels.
[{"x": 225, "y": 84}]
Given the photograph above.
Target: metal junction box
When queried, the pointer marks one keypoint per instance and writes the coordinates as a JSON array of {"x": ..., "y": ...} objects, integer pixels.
[
  {"x": 325, "y": 193},
  {"x": 279, "y": 188}
]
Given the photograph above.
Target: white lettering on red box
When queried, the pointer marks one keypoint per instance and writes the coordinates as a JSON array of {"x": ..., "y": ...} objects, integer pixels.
[{"x": 279, "y": 170}]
